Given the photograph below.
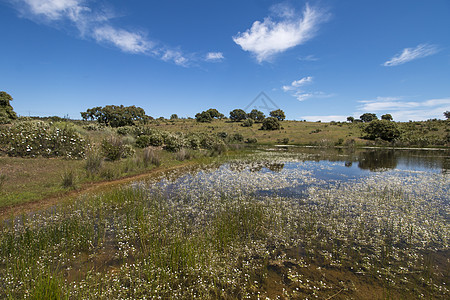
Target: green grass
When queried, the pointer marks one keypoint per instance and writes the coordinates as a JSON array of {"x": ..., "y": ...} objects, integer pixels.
[{"x": 213, "y": 240}]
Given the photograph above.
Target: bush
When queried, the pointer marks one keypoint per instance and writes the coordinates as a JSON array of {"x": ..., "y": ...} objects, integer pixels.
[
  {"x": 30, "y": 139},
  {"x": 237, "y": 137},
  {"x": 69, "y": 179},
  {"x": 174, "y": 142},
  {"x": 271, "y": 123},
  {"x": 151, "y": 156},
  {"x": 114, "y": 149},
  {"x": 222, "y": 135},
  {"x": 382, "y": 129},
  {"x": 247, "y": 123},
  {"x": 183, "y": 154},
  {"x": 283, "y": 141},
  {"x": 94, "y": 162},
  {"x": 125, "y": 130},
  {"x": 251, "y": 140}
]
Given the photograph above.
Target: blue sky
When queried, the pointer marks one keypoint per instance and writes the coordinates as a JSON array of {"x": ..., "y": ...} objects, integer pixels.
[{"x": 316, "y": 60}]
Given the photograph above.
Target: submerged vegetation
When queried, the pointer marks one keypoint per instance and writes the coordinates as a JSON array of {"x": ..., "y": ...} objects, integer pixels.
[{"x": 265, "y": 226}]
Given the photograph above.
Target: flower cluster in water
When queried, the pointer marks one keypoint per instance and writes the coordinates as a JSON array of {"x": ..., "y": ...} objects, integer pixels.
[{"x": 266, "y": 227}]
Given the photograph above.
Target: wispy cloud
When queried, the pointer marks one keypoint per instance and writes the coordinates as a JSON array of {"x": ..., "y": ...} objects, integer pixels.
[
  {"x": 409, "y": 54},
  {"x": 297, "y": 89},
  {"x": 296, "y": 84},
  {"x": 214, "y": 56},
  {"x": 124, "y": 40},
  {"x": 97, "y": 24},
  {"x": 270, "y": 37},
  {"x": 404, "y": 110}
]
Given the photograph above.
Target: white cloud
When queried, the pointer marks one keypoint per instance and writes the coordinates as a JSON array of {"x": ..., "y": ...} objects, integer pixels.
[
  {"x": 97, "y": 25},
  {"x": 404, "y": 110},
  {"x": 409, "y": 54},
  {"x": 297, "y": 84},
  {"x": 124, "y": 40},
  {"x": 56, "y": 9},
  {"x": 214, "y": 56},
  {"x": 267, "y": 38}
]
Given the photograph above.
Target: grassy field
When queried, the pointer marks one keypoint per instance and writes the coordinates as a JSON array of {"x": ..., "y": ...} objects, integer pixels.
[
  {"x": 34, "y": 177},
  {"x": 299, "y": 133}
]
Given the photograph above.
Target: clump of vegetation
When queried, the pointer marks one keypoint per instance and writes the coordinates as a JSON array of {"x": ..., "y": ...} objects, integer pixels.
[
  {"x": 7, "y": 113},
  {"x": 113, "y": 148},
  {"x": 94, "y": 162},
  {"x": 116, "y": 116},
  {"x": 256, "y": 115},
  {"x": 368, "y": 117},
  {"x": 382, "y": 129},
  {"x": 37, "y": 138},
  {"x": 247, "y": 123},
  {"x": 151, "y": 156},
  {"x": 237, "y": 115},
  {"x": 278, "y": 114},
  {"x": 271, "y": 123},
  {"x": 69, "y": 179}
]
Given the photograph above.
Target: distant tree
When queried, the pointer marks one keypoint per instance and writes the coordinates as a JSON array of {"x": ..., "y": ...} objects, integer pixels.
[
  {"x": 256, "y": 115},
  {"x": 279, "y": 114},
  {"x": 174, "y": 117},
  {"x": 368, "y": 117},
  {"x": 238, "y": 115},
  {"x": 116, "y": 116},
  {"x": 350, "y": 119},
  {"x": 387, "y": 117},
  {"x": 271, "y": 123},
  {"x": 203, "y": 117},
  {"x": 382, "y": 129},
  {"x": 447, "y": 114},
  {"x": 6, "y": 110},
  {"x": 215, "y": 114}
]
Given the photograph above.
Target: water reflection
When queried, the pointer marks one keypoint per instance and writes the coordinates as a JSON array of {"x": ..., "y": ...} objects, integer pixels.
[{"x": 378, "y": 160}]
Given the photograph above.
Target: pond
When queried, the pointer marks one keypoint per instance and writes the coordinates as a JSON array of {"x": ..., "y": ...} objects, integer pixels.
[
  {"x": 275, "y": 223},
  {"x": 380, "y": 214}
]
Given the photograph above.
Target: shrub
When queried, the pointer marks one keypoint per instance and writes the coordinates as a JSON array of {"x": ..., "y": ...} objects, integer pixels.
[
  {"x": 174, "y": 117},
  {"x": 2, "y": 180},
  {"x": 271, "y": 123},
  {"x": 283, "y": 141},
  {"x": 183, "y": 154},
  {"x": 114, "y": 149},
  {"x": 251, "y": 140},
  {"x": 174, "y": 142},
  {"x": 247, "y": 123},
  {"x": 382, "y": 129},
  {"x": 125, "y": 130},
  {"x": 237, "y": 137},
  {"x": 30, "y": 139},
  {"x": 143, "y": 141},
  {"x": 151, "y": 156},
  {"x": 94, "y": 162},
  {"x": 222, "y": 135},
  {"x": 68, "y": 179}
]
